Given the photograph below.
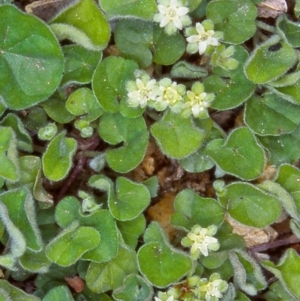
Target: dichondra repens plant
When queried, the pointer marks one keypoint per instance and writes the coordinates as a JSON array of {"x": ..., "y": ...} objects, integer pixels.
[{"x": 97, "y": 90}]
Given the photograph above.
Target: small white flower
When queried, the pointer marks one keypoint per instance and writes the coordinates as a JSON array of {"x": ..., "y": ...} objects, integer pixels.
[
  {"x": 197, "y": 101},
  {"x": 140, "y": 91},
  {"x": 213, "y": 288},
  {"x": 201, "y": 37},
  {"x": 172, "y": 15},
  {"x": 168, "y": 93},
  {"x": 201, "y": 240}
]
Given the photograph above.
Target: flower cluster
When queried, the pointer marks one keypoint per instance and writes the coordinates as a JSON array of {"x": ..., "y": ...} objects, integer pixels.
[
  {"x": 196, "y": 289},
  {"x": 165, "y": 93},
  {"x": 172, "y": 15},
  {"x": 201, "y": 240}
]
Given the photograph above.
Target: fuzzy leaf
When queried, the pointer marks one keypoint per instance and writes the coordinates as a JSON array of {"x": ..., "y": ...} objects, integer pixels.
[
  {"x": 57, "y": 160},
  {"x": 230, "y": 87},
  {"x": 239, "y": 155},
  {"x": 8, "y": 155},
  {"x": 251, "y": 205},
  {"x": 143, "y": 42},
  {"x": 59, "y": 293},
  {"x": 31, "y": 60},
  {"x": 132, "y": 133},
  {"x": 176, "y": 136},
  {"x": 80, "y": 64},
  {"x": 109, "y": 81},
  {"x": 236, "y": 18},
  {"x": 191, "y": 209},
  {"x": 287, "y": 271},
  {"x": 15, "y": 293},
  {"x": 141, "y": 9},
  {"x": 157, "y": 260},
  {"x": 83, "y": 102},
  {"x": 102, "y": 277},
  {"x": 290, "y": 31},
  {"x": 71, "y": 244},
  {"x": 271, "y": 115},
  {"x": 78, "y": 23},
  {"x": 134, "y": 288},
  {"x": 269, "y": 61}
]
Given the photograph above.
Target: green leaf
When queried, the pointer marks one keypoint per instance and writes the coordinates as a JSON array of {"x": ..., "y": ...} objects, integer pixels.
[
  {"x": 109, "y": 81},
  {"x": 31, "y": 60},
  {"x": 283, "y": 148},
  {"x": 248, "y": 275},
  {"x": 240, "y": 155},
  {"x": 20, "y": 209},
  {"x": 78, "y": 22},
  {"x": 134, "y": 288},
  {"x": 132, "y": 230},
  {"x": 80, "y": 64},
  {"x": 8, "y": 155},
  {"x": 276, "y": 292},
  {"x": 251, "y": 205},
  {"x": 71, "y": 244},
  {"x": 176, "y": 136},
  {"x": 270, "y": 60},
  {"x": 56, "y": 109},
  {"x": 132, "y": 133},
  {"x": 59, "y": 293},
  {"x": 15, "y": 293},
  {"x": 24, "y": 141},
  {"x": 130, "y": 200},
  {"x": 109, "y": 245},
  {"x": 143, "y": 42},
  {"x": 271, "y": 115},
  {"x": 102, "y": 277},
  {"x": 231, "y": 88},
  {"x": 67, "y": 211},
  {"x": 57, "y": 160},
  {"x": 141, "y": 9},
  {"x": 35, "y": 262},
  {"x": 287, "y": 271},
  {"x": 288, "y": 92},
  {"x": 83, "y": 102},
  {"x": 289, "y": 31},
  {"x": 183, "y": 69},
  {"x": 157, "y": 260},
  {"x": 191, "y": 209},
  {"x": 288, "y": 177},
  {"x": 236, "y": 18}
]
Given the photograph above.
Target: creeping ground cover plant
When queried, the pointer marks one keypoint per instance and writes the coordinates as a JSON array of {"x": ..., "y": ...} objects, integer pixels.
[{"x": 149, "y": 150}]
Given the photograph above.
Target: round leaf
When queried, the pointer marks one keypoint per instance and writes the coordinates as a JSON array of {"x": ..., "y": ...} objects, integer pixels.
[
  {"x": 71, "y": 244},
  {"x": 177, "y": 137},
  {"x": 78, "y": 23},
  {"x": 236, "y": 18},
  {"x": 191, "y": 209},
  {"x": 239, "y": 155},
  {"x": 252, "y": 206},
  {"x": 114, "y": 129},
  {"x": 57, "y": 160},
  {"x": 269, "y": 61},
  {"x": 31, "y": 61}
]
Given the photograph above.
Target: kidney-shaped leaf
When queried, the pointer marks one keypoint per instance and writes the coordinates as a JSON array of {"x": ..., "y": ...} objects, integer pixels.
[
  {"x": 57, "y": 160},
  {"x": 83, "y": 23},
  {"x": 251, "y": 205},
  {"x": 239, "y": 155},
  {"x": 31, "y": 60},
  {"x": 271, "y": 115},
  {"x": 191, "y": 209},
  {"x": 114, "y": 129},
  {"x": 71, "y": 244},
  {"x": 236, "y": 18},
  {"x": 177, "y": 137},
  {"x": 269, "y": 61}
]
